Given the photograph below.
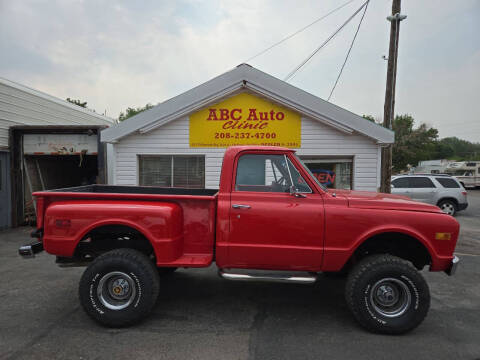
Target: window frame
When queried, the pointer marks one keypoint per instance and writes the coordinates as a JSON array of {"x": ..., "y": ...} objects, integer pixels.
[
  {"x": 331, "y": 159},
  {"x": 290, "y": 156},
  {"x": 172, "y": 165}
]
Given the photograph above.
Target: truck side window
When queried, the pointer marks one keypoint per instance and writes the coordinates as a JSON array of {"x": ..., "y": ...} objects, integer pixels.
[{"x": 262, "y": 173}]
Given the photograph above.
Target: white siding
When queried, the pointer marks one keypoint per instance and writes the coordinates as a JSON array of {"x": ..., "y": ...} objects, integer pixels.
[
  {"x": 20, "y": 105},
  {"x": 317, "y": 139}
]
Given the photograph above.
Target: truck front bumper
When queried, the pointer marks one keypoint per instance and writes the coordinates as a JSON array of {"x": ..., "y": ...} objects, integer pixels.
[
  {"x": 29, "y": 250},
  {"x": 453, "y": 266}
]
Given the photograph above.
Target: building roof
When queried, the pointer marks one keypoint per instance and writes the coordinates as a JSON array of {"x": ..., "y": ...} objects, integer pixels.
[
  {"x": 21, "y": 105},
  {"x": 246, "y": 78}
]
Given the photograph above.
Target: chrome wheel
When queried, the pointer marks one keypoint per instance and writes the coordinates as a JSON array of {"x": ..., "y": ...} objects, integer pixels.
[
  {"x": 390, "y": 297},
  {"x": 448, "y": 208},
  {"x": 116, "y": 290}
]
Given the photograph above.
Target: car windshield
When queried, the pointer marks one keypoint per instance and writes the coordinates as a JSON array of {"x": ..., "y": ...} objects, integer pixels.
[{"x": 310, "y": 173}]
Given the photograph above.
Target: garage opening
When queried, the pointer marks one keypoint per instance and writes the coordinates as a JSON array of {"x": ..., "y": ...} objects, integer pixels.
[
  {"x": 47, "y": 158},
  {"x": 47, "y": 172}
]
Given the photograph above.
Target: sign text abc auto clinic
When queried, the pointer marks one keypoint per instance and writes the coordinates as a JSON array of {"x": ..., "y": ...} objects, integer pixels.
[{"x": 245, "y": 119}]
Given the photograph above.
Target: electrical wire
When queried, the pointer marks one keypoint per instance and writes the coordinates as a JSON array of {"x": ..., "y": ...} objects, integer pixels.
[
  {"x": 297, "y": 68},
  {"x": 298, "y": 31},
  {"x": 348, "y": 53}
]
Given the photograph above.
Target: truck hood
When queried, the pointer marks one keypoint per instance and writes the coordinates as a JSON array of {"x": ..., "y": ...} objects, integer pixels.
[{"x": 373, "y": 200}]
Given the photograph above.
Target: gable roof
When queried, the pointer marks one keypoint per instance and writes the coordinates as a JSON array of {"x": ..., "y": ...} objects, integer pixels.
[
  {"x": 92, "y": 117},
  {"x": 246, "y": 78}
]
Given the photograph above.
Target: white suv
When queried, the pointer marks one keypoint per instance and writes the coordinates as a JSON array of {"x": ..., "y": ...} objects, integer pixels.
[{"x": 436, "y": 189}]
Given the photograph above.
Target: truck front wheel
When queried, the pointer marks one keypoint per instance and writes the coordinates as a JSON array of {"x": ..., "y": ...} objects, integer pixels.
[
  {"x": 387, "y": 294},
  {"x": 119, "y": 288}
]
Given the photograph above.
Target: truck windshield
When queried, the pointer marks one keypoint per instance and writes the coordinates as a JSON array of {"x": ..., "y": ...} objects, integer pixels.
[{"x": 310, "y": 173}]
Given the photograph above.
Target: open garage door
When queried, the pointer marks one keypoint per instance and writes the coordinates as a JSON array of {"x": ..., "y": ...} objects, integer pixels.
[{"x": 52, "y": 161}]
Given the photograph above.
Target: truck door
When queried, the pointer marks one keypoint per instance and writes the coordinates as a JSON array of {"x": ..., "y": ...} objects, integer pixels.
[{"x": 270, "y": 227}]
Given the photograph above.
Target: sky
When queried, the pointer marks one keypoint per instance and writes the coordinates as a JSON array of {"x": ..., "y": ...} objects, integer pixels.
[{"x": 119, "y": 54}]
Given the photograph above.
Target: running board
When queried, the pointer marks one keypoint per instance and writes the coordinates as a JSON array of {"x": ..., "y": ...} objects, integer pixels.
[{"x": 309, "y": 279}]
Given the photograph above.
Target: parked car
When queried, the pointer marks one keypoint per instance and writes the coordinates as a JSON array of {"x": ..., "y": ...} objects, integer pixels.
[
  {"x": 441, "y": 190},
  {"x": 270, "y": 213}
]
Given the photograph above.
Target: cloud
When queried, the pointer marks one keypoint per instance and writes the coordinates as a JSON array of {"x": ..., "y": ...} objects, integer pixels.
[{"x": 128, "y": 53}]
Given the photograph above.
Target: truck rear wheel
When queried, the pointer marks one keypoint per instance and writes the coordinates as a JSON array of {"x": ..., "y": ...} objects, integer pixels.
[
  {"x": 387, "y": 294},
  {"x": 119, "y": 288}
]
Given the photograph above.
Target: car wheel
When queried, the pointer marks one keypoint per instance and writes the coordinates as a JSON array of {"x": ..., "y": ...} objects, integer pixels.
[
  {"x": 387, "y": 295},
  {"x": 448, "y": 207},
  {"x": 119, "y": 288}
]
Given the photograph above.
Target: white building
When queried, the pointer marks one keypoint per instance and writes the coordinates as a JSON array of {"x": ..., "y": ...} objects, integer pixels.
[
  {"x": 45, "y": 143},
  {"x": 181, "y": 142}
]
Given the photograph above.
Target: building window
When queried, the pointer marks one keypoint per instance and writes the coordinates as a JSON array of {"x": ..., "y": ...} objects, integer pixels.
[
  {"x": 183, "y": 171},
  {"x": 331, "y": 172}
]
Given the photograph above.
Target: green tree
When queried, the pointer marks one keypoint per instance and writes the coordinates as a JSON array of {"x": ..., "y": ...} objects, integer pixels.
[
  {"x": 412, "y": 144},
  {"x": 461, "y": 149},
  {"x": 77, "y": 102},
  {"x": 133, "y": 111},
  {"x": 416, "y": 144}
]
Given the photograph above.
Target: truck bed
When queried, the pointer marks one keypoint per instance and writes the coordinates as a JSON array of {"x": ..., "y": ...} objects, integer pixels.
[{"x": 189, "y": 241}]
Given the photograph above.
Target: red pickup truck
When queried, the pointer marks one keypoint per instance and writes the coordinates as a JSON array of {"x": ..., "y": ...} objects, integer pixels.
[{"x": 269, "y": 220}]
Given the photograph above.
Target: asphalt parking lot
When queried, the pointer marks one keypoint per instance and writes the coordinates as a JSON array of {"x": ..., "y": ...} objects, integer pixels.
[{"x": 200, "y": 316}]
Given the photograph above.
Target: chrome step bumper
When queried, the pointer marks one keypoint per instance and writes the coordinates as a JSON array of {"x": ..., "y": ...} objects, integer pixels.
[{"x": 280, "y": 277}]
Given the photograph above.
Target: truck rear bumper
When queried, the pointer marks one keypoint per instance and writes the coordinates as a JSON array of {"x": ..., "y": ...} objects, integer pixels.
[
  {"x": 29, "y": 250},
  {"x": 453, "y": 266}
]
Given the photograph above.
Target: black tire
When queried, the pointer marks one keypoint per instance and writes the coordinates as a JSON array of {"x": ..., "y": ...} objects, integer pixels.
[
  {"x": 448, "y": 206},
  {"x": 128, "y": 273},
  {"x": 369, "y": 284},
  {"x": 166, "y": 271}
]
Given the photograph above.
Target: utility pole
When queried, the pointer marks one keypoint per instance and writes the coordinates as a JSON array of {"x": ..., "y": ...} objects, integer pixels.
[{"x": 389, "y": 106}]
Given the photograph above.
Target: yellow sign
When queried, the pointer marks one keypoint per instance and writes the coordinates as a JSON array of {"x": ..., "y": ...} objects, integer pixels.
[{"x": 245, "y": 119}]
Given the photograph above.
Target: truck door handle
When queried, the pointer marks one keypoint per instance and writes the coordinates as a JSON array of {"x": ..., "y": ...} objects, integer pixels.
[{"x": 239, "y": 206}]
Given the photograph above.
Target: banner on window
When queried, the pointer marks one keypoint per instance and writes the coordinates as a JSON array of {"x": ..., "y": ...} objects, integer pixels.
[{"x": 245, "y": 119}]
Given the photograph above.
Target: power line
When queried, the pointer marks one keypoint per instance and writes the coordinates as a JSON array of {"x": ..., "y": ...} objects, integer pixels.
[
  {"x": 299, "y": 31},
  {"x": 292, "y": 73},
  {"x": 348, "y": 53}
]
